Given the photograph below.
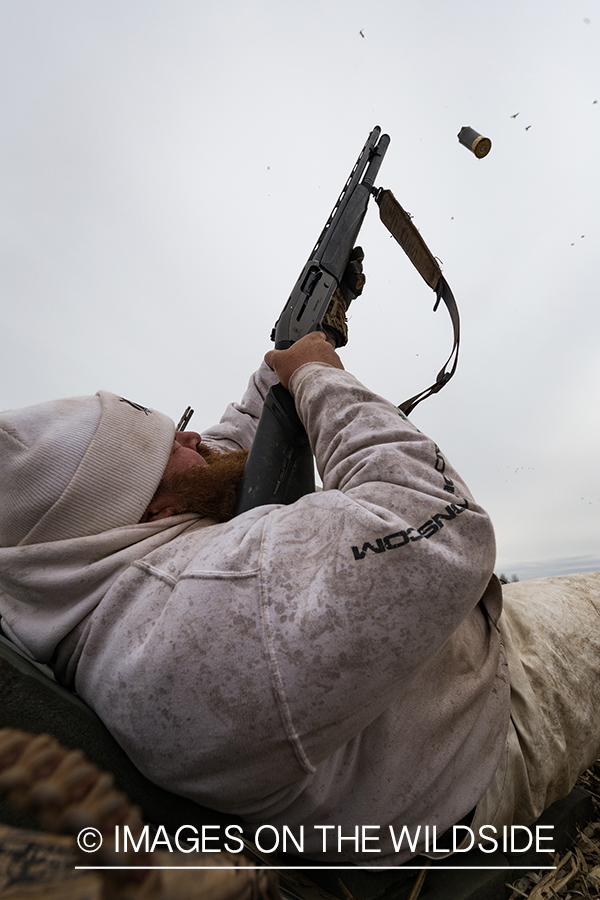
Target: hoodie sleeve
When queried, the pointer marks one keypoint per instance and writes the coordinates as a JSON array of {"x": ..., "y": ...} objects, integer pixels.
[
  {"x": 238, "y": 424},
  {"x": 367, "y": 581}
]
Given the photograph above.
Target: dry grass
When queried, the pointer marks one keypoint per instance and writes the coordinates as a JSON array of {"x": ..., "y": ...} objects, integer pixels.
[{"x": 578, "y": 871}]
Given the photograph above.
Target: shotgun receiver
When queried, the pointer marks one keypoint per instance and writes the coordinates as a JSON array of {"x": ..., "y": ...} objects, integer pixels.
[{"x": 280, "y": 466}]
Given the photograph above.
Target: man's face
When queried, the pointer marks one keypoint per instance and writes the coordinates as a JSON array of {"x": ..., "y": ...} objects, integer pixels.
[
  {"x": 197, "y": 479},
  {"x": 184, "y": 453}
]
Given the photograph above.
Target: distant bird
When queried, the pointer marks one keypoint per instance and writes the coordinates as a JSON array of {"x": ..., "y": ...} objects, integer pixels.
[
  {"x": 515, "y": 116},
  {"x": 527, "y": 127},
  {"x": 361, "y": 34},
  {"x": 595, "y": 101}
]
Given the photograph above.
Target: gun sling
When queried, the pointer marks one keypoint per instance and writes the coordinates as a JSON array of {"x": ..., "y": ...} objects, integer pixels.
[{"x": 401, "y": 227}]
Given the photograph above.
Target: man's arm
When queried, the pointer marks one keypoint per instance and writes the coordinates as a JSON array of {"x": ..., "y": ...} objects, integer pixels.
[
  {"x": 383, "y": 566},
  {"x": 237, "y": 426}
]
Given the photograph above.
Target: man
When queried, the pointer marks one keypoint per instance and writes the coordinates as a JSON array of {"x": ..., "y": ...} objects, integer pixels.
[{"x": 335, "y": 662}]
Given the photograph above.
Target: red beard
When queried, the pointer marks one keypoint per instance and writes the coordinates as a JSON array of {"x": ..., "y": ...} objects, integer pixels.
[{"x": 211, "y": 490}]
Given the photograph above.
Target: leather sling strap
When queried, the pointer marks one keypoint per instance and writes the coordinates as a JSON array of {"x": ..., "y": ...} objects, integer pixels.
[{"x": 400, "y": 225}]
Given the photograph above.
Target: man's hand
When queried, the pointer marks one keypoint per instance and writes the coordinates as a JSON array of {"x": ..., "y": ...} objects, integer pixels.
[
  {"x": 312, "y": 347},
  {"x": 335, "y": 323}
]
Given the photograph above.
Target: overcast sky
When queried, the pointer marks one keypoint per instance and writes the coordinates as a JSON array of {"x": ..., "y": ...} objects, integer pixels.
[{"x": 167, "y": 165}]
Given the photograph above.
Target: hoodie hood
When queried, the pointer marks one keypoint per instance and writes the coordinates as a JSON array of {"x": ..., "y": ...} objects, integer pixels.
[{"x": 48, "y": 591}]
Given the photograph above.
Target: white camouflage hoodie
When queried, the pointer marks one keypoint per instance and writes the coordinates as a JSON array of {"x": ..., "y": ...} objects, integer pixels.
[{"x": 326, "y": 663}]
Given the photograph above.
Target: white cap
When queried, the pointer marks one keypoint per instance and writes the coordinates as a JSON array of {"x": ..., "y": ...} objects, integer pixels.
[{"x": 76, "y": 467}]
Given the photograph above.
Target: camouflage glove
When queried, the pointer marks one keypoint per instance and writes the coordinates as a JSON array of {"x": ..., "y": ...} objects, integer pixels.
[{"x": 335, "y": 324}]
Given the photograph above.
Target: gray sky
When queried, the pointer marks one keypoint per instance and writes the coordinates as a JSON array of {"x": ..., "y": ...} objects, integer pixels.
[{"x": 167, "y": 167}]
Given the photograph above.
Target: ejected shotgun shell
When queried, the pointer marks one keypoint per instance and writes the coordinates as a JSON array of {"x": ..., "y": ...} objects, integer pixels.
[{"x": 474, "y": 142}]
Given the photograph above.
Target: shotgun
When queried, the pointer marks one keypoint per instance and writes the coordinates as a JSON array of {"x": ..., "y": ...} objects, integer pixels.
[{"x": 280, "y": 466}]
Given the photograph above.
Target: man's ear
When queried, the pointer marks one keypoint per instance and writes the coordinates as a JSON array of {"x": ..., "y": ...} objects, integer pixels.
[
  {"x": 160, "y": 507},
  {"x": 164, "y": 513}
]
